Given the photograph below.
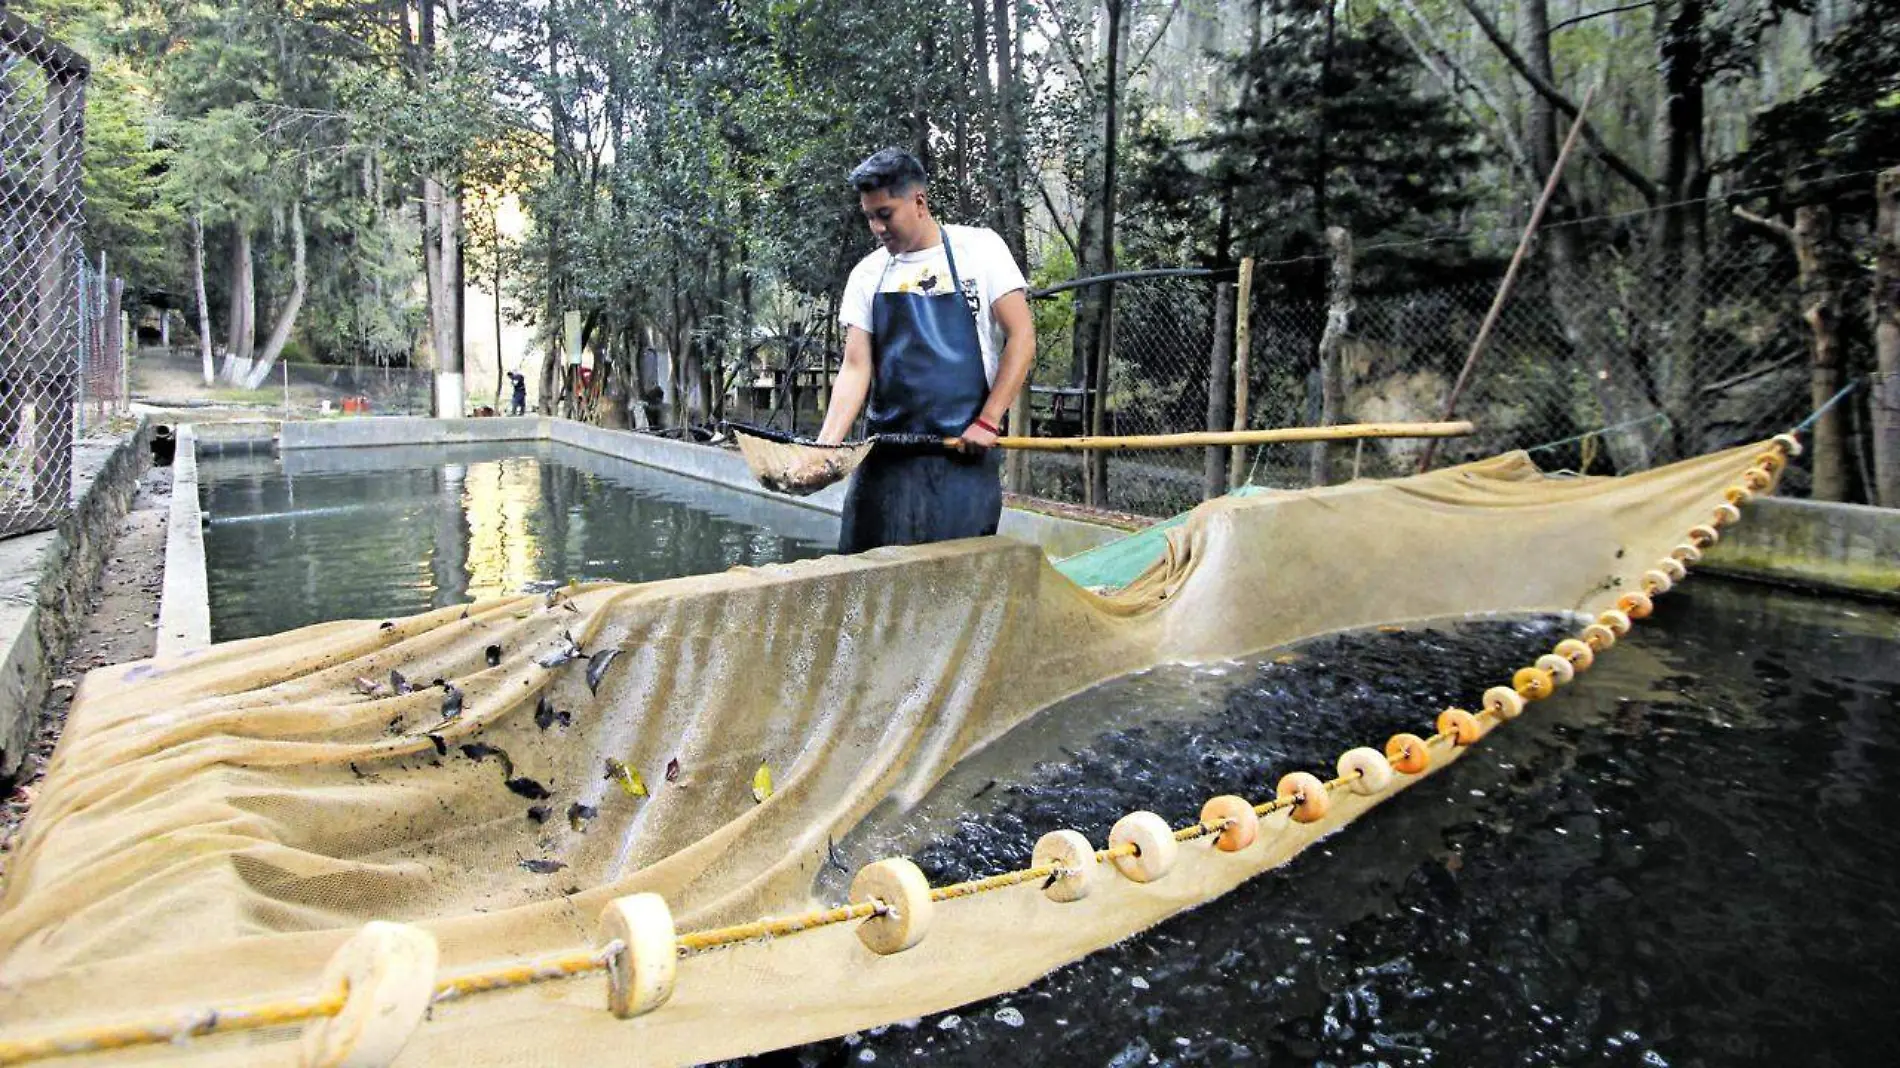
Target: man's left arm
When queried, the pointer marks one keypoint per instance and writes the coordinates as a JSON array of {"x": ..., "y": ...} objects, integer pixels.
[{"x": 1011, "y": 312}]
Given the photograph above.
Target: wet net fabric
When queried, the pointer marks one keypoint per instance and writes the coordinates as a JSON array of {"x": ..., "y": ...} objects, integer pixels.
[{"x": 214, "y": 825}]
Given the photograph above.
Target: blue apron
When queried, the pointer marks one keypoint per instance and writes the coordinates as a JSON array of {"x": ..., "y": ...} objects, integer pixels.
[{"x": 927, "y": 377}]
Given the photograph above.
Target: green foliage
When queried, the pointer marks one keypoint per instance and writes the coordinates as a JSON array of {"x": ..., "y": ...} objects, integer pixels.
[
  {"x": 126, "y": 213},
  {"x": 1821, "y": 146},
  {"x": 1311, "y": 144}
]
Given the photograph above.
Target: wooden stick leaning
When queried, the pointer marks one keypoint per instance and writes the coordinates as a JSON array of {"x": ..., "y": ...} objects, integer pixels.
[{"x": 1510, "y": 275}]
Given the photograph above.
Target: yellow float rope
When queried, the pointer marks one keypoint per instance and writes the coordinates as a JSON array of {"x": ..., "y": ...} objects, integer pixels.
[{"x": 1409, "y": 753}]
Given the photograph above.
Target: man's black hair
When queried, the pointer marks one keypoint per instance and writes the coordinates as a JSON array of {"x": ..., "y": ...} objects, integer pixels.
[{"x": 889, "y": 168}]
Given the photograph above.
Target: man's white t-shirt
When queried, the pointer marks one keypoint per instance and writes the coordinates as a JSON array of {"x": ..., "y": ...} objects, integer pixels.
[{"x": 984, "y": 266}]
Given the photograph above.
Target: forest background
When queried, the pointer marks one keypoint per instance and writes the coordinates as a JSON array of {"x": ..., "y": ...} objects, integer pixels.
[{"x": 436, "y": 185}]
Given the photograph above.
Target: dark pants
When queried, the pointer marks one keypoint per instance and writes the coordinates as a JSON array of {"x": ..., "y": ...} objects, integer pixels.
[{"x": 913, "y": 498}]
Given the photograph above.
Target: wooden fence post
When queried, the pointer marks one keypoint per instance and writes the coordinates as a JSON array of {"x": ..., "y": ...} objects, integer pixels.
[{"x": 1243, "y": 317}]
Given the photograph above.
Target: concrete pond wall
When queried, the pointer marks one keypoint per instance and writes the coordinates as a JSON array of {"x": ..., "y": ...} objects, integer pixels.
[
  {"x": 46, "y": 577},
  {"x": 1847, "y": 548}
]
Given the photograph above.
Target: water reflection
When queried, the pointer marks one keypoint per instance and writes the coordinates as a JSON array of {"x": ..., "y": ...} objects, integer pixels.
[{"x": 368, "y": 533}]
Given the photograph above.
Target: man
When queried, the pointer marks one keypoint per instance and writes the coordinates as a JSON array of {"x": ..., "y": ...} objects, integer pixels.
[
  {"x": 518, "y": 403},
  {"x": 938, "y": 336}
]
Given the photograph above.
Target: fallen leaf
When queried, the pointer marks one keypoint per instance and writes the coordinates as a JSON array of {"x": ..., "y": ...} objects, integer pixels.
[
  {"x": 543, "y": 867},
  {"x": 493, "y": 655},
  {"x": 673, "y": 770},
  {"x": 762, "y": 784}
]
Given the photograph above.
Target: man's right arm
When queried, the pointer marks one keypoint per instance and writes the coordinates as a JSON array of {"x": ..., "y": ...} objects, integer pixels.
[{"x": 849, "y": 391}]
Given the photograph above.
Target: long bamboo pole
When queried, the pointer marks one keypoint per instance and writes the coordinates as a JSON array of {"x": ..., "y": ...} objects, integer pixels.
[
  {"x": 1201, "y": 439},
  {"x": 1510, "y": 275}
]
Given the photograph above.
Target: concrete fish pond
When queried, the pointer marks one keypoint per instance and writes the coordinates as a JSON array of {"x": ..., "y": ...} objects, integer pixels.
[{"x": 338, "y": 534}]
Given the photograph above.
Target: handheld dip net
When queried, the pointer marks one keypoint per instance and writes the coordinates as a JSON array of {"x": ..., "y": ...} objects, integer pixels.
[{"x": 274, "y": 852}]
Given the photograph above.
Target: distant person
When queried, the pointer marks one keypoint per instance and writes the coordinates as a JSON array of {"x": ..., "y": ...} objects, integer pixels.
[
  {"x": 518, "y": 401},
  {"x": 939, "y": 340}
]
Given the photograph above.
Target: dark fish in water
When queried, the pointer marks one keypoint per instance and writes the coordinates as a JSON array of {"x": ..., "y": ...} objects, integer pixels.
[
  {"x": 387, "y": 625},
  {"x": 564, "y": 717},
  {"x": 543, "y": 867},
  {"x": 673, "y": 770},
  {"x": 597, "y": 668},
  {"x": 451, "y": 701},
  {"x": 464, "y": 613},
  {"x": 569, "y": 649},
  {"x": 578, "y": 815},
  {"x": 480, "y": 751},
  {"x": 528, "y": 788},
  {"x": 493, "y": 655},
  {"x": 544, "y": 714},
  {"x": 399, "y": 684},
  {"x": 831, "y": 856},
  {"x": 441, "y": 747},
  {"x": 538, "y": 813},
  {"x": 354, "y": 770}
]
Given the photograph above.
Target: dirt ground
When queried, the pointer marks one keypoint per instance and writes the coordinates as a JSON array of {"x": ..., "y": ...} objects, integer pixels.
[{"x": 120, "y": 625}]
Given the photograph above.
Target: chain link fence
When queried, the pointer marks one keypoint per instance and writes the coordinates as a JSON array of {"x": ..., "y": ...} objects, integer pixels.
[
  {"x": 1608, "y": 368},
  {"x": 101, "y": 342},
  {"x": 42, "y": 124},
  {"x": 1171, "y": 344}
]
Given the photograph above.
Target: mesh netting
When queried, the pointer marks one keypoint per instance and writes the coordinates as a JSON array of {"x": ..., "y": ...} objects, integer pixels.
[{"x": 214, "y": 826}]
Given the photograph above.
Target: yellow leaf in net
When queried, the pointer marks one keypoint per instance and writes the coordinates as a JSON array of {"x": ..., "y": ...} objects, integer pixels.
[
  {"x": 762, "y": 783},
  {"x": 628, "y": 779}
]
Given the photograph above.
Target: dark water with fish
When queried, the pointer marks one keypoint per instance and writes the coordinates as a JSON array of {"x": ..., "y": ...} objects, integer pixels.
[
  {"x": 332, "y": 534},
  {"x": 1684, "y": 859}
]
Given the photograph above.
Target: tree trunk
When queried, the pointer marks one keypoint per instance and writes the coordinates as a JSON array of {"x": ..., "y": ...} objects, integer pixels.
[
  {"x": 1011, "y": 193},
  {"x": 1540, "y": 120},
  {"x": 1821, "y": 309},
  {"x": 287, "y": 316},
  {"x": 1096, "y": 463},
  {"x": 243, "y": 323},
  {"x": 501, "y": 399},
  {"x": 1331, "y": 374},
  {"x": 1679, "y": 226},
  {"x": 204, "y": 306},
  {"x": 1219, "y": 390},
  {"x": 1885, "y": 404}
]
